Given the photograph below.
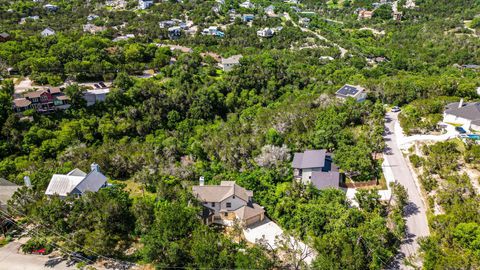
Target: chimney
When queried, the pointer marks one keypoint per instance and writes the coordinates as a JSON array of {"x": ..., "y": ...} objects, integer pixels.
[
  {"x": 460, "y": 104},
  {"x": 202, "y": 181},
  {"x": 27, "y": 181},
  {"x": 95, "y": 167}
]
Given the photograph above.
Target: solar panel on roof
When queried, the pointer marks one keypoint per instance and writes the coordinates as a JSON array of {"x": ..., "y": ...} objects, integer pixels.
[{"x": 348, "y": 90}]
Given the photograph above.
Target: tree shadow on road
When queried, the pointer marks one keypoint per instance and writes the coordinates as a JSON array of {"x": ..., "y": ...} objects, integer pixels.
[
  {"x": 410, "y": 209},
  {"x": 52, "y": 262}
]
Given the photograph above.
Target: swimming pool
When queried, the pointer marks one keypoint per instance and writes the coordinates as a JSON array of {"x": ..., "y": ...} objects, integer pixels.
[{"x": 474, "y": 137}]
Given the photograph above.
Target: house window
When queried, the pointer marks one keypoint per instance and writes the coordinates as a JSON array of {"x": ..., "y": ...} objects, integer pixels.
[
  {"x": 226, "y": 214},
  {"x": 233, "y": 197},
  {"x": 229, "y": 204},
  {"x": 213, "y": 204}
]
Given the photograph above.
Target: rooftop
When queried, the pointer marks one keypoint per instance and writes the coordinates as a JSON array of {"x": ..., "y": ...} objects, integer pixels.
[
  {"x": 218, "y": 193},
  {"x": 350, "y": 90},
  {"x": 309, "y": 159}
]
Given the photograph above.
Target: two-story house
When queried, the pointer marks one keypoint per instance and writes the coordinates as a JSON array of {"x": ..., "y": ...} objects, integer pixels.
[
  {"x": 228, "y": 202},
  {"x": 316, "y": 167},
  {"x": 43, "y": 101}
]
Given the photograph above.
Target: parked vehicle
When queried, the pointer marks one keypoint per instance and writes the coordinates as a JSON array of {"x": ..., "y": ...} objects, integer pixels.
[
  {"x": 460, "y": 130},
  {"x": 395, "y": 109}
]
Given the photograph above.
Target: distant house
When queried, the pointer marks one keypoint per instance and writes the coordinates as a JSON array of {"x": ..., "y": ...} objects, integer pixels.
[
  {"x": 304, "y": 21},
  {"x": 47, "y": 32},
  {"x": 50, "y": 7},
  {"x": 248, "y": 17},
  {"x": 270, "y": 11},
  {"x": 76, "y": 182},
  {"x": 265, "y": 33},
  {"x": 95, "y": 95},
  {"x": 316, "y": 167},
  {"x": 226, "y": 203},
  {"x": 227, "y": 64},
  {"x": 465, "y": 114},
  {"x": 25, "y": 19},
  {"x": 174, "y": 32},
  {"x": 354, "y": 91},
  {"x": 213, "y": 31},
  {"x": 7, "y": 189},
  {"x": 166, "y": 24},
  {"x": 92, "y": 28},
  {"x": 124, "y": 37},
  {"x": 365, "y": 14},
  {"x": 247, "y": 4},
  {"x": 92, "y": 17},
  {"x": 4, "y": 37},
  {"x": 43, "y": 101},
  {"x": 397, "y": 16},
  {"x": 144, "y": 4}
]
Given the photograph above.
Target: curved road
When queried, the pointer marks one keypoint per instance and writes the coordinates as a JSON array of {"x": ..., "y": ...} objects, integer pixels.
[{"x": 415, "y": 211}]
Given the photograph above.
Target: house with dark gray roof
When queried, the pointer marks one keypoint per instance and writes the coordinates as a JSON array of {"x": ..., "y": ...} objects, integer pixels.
[
  {"x": 316, "y": 167},
  {"x": 227, "y": 202},
  {"x": 465, "y": 114},
  {"x": 76, "y": 182},
  {"x": 354, "y": 91}
]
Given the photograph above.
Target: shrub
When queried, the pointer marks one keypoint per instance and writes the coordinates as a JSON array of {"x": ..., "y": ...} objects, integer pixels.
[
  {"x": 34, "y": 244},
  {"x": 416, "y": 160}
]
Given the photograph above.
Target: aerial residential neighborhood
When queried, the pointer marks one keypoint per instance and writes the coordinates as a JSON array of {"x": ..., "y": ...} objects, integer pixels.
[{"x": 239, "y": 134}]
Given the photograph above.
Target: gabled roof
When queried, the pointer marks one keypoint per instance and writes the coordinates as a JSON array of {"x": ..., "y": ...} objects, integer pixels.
[
  {"x": 323, "y": 180},
  {"x": 235, "y": 59},
  {"x": 92, "y": 182},
  {"x": 63, "y": 185},
  {"x": 248, "y": 211},
  {"x": 470, "y": 111},
  {"x": 21, "y": 102},
  {"x": 309, "y": 159},
  {"x": 218, "y": 193},
  {"x": 34, "y": 94},
  {"x": 4, "y": 35},
  {"x": 76, "y": 181},
  {"x": 7, "y": 189}
]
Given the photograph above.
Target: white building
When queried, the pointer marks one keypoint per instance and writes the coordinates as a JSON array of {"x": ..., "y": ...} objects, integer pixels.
[
  {"x": 95, "y": 95},
  {"x": 47, "y": 32},
  {"x": 316, "y": 167},
  {"x": 227, "y": 64},
  {"x": 465, "y": 114},
  {"x": 76, "y": 182},
  {"x": 265, "y": 33},
  {"x": 247, "y": 4},
  {"x": 144, "y": 4}
]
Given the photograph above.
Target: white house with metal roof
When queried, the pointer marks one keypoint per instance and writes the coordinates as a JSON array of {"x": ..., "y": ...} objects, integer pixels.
[
  {"x": 76, "y": 182},
  {"x": 354, "y": 91}
]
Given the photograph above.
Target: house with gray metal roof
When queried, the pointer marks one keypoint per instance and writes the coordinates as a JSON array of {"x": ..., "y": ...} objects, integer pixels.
[
  {"x": 228, "y": 202},
  {"x": 76, "y": 182},
  {"x": 354, "y": 91},
  {"x": 316, "y": 167},
  {"x": 465, "y": 114},
  {"x": 7, "y": 189}
]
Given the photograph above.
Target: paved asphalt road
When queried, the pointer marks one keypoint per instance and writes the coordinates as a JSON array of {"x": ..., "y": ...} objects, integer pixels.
[
  {"x": 417, "y": 224},
  {"x": 12, "y": 259}
]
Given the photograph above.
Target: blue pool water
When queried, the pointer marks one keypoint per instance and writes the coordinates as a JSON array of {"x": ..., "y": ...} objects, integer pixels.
[{"x": 474, "y": 137}]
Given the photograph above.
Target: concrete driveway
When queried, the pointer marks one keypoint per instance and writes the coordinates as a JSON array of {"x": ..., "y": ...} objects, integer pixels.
[
  {"x": 416, "y": 218},
  {"x": 13, "y": 259}
]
